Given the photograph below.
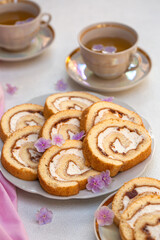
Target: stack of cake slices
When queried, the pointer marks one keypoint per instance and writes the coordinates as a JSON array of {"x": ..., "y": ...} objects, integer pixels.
[
  {"x": 136, "y": 206},
  {"x": 115, "y": 139}
]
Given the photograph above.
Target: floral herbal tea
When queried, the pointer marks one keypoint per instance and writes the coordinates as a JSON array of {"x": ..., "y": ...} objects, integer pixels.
[
  {"x": 108, "y": 44},
  {"x": 12, "y": 18}
]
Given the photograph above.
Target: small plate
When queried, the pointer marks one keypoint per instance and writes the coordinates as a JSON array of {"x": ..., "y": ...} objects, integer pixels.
[
  {"x": 117, "y": 181},
  {"x": 78, "y": 71},
  {"x": 41, "y": 42},
  {"x": 110, "y": 232}
]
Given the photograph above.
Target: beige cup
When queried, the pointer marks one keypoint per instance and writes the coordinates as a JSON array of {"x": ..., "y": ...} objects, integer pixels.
[
  {"x": 17, "y": 37},
  {"x": 109, "y": 65}
]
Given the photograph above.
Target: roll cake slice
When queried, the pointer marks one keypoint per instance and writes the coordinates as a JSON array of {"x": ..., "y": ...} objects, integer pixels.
[
  {"x": 135, "y": 214},
  {"x": 116, "y": 145},
  {"x": 132, "y": 190},
  {"x": 19, "y": 156},
  {"x": 61, "y": 170},
  {"x": 68, "y": 100},
  {"x": 102, "y": 110},
  {"x": 148, "y": 227},
  {"x": 19, "y": 117},
  {"x": 66, "y": 123}
]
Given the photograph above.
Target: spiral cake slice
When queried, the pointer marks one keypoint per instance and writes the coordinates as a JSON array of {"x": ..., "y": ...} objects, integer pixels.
[
  {"x": 66, "y": 123},
  {"x": 62, "y": 171},
  {"x": 116, "y": 145},
  {"x": 148, "y": 227},
  {"x": 135, "y": 214},
  {"x": 19, "y": 156},
  {"x": 19, "y": 117},
  {"x": 102, "y": 110},
  {"x": 132, "y": 190},
  {"x": 69, "y": 100}
]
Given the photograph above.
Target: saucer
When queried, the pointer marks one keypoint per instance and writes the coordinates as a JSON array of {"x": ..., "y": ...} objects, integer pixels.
[
  {"x": 41, "y": 42},
  {"x": 79, "y": 72}
]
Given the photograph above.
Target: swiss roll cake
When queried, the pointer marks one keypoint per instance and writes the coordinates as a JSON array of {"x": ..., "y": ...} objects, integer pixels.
[
  {"x": 132, "y": 190},
  {"x": 68, "y": 100},
  {"x": 19, "y": 155},
  {"x": 62, "y": 170},
  {"x": 103, "y": 110},
  {"x": 148, "y": 227},
  {"x": 136, "y": 215},
  {"x": 66, "y": 123},
  {"x": 116, "y": 145},
  {"x": 19, "y": 117}
]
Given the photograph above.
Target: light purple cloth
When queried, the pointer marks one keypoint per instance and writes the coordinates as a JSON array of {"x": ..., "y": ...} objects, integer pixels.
[{"x": 11, "y": 226}]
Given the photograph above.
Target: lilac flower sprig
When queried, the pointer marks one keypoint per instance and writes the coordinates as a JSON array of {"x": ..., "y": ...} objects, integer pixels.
[
  {"x": 42, "y": 144},
  {"x": 11, "y": 89},
  {"x": 98, "y": 182},
  {"x": 61, "y": 85},
  {"x": 95, "y": 184},
  {"x": 108, "y": 99},
  {"x": 57, "y": 139},
  {"x": 79, "y": 136},
  {"x": 104, "y": 216},
  {"x": 44, "y": 216}
]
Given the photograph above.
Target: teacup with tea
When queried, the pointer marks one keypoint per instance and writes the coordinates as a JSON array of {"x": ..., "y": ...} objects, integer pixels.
[
  {"x": 20, "y": 21},
  {"x": 108, "y": 49}
]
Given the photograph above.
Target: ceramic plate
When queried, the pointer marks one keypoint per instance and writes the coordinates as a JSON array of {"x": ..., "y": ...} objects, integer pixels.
[
  {"x": 106, "y": 232},
  {"x": 118, "y": 181},
  {"x": 78, "y": 71},
  {"x": 41, "y": 42}
]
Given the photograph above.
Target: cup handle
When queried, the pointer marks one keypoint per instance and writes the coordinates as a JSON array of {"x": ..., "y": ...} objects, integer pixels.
[
  {"x": 45, "y": 23},
  {"x": 135, "y": 57}
]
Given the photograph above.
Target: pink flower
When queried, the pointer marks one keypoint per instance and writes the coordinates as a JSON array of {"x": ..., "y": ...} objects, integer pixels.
[
  {"x": 108, "y": 99},
  {"x": 104, "y": 216},
  {"x": 42, "y": 144},
  {"x": 61, "y": 85},
  {"x": 95, "y": 184},
  {"x": 11, "y": 89},
  {"x": 78, "y": 136},
  {"x": 106, "y": 177},
  {"x": 44, "y": 216},
  {"x": 57, "y": 139}
]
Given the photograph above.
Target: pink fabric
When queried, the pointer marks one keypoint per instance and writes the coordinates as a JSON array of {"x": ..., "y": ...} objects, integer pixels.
[
  {"x": 11, "y": 227},
  {"x": 1, "y": 101}
]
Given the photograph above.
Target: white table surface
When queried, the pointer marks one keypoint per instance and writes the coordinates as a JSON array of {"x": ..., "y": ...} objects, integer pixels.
[{"x": 73, "y": 219}]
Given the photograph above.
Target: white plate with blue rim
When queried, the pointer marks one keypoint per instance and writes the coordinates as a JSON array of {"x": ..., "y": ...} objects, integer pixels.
[{"x": 117, "y": 181}]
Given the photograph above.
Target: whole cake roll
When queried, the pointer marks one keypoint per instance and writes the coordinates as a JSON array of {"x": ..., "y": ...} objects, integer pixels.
[
  {"x": 102, "y": 110},
  {"x": 61, "y": 170},
  {"x": 135, "y": 214},
  {"x": 148, "y": 227},
  {"x": 132, "y": 190},
  {"x": 69, "y": 100},
  {"x": 19, "y": 156},
  {"x": 66, "y": 123},
  {"x": 19, "y": 117},
  {"x": 116, "y": 145}
]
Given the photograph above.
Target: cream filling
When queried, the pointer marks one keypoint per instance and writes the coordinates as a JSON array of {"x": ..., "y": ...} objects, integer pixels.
[
  {"x": 104, "y": 111},
  {"x": 133, "y": 137},
  {"x": 71, "y": 170},
  {"x": 154, "y": 231},
  {"x": 73, "y": 121},
  {"x": 139, "y": 190},
  {"x": 30, "y": 138},
  {"x": 147, "y": 209},
  {"x": 14, "y": 120},
  {"x": 58, "y": 101}
]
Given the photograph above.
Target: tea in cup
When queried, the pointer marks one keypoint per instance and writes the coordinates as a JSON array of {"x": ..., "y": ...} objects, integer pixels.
[
  {"x": 19, "y": 23},
  {"x": 109, "y": 48}
]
